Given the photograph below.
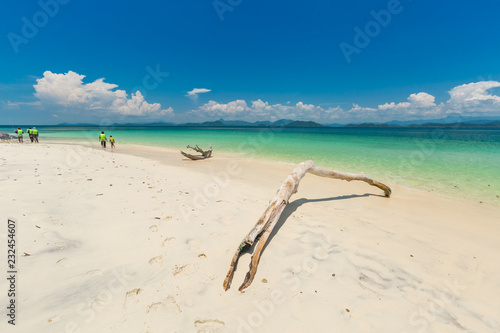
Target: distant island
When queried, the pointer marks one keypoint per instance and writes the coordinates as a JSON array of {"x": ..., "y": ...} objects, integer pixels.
[
  {"x": 448, "y": 122},
  {"x": 492, "y": 124}
]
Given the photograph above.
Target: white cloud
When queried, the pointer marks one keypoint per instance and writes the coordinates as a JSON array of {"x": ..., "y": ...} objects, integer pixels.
[
  {"x": 356, "y": 108},
  {"x": 136, "y": 105},
  {"x": 232, "y": 109},
  {"x": 469, "y": 100},
  {"x": 196, "y": 91},
  {"x": 16, "y": 105},
  {"x": 419, "y": 106},
  {"x": 68, "y": 91},
  {"x": 258, "y": 110},
  {"x": 422, "y": 99},
  {"x": 392, "y": 105},
  {"x": 474, "y": 98}
]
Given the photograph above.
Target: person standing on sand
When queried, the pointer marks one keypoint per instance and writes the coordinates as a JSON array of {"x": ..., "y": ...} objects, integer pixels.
[
  {"x": 30, "y": 134},
  {"x": 102, "y": 138},
  {"x": 34, "y": 134},
  {"x": 19, "y": 134},
  {"x": 112, "y": 140}
]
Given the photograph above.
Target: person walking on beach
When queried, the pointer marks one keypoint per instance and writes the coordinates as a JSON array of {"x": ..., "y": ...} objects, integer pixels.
[
  {"x": 30, "y": 134},
  {"x": 112, "y": 140},
  {"x": 19, "y": 134},
  {"x": 34, "y": 134},
  {"x": 102, "y": 138}
]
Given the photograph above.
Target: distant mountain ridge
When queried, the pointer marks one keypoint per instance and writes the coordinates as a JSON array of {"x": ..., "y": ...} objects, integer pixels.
[
  {"x": 241, "y": 123},
  {"x": 453, "y": 119},
  {"x": 450, "y": 121},
  {"x": 304, "y": 124},
  {"x": 158, "y": 123}
]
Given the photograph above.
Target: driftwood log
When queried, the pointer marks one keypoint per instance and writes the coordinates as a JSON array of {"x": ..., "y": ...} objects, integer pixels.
[
  {"x": 271, "y": 215},
  {"x": 204, "y": 154}
]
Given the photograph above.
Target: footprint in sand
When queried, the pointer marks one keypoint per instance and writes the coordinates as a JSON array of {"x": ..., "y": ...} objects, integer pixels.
[
  {"x": 168, "y": 239},
  {"x": 155, "y": 306},
  {"x": 172, "y": 305},
  {"x": 178, "y": 269},
  {"x": 94, "y": 272},
  {"x": 184, "y": 270},
  {"x": 64, "y": 262},
  {"x": 131, "y": 297},
  {"x": 209, "y": 325},
  {"x": 156, "y": 261},
  {"x": 133, "y": 292}
]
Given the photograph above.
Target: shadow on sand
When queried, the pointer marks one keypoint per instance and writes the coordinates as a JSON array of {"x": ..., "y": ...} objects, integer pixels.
[{"x": 291, "y": 208}]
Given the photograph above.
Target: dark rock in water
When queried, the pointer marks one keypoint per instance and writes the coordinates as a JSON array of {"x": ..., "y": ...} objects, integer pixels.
[{"x": 5, "y": 136}]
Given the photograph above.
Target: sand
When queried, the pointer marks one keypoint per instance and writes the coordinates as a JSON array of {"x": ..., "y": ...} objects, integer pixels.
[{"x": 140, "y": 240}]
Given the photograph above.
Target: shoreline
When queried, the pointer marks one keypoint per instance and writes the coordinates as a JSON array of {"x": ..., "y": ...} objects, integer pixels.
[
  {"x": 415, "y": 162},
  {"x": 154, "y": 152},
  {"x": 114, "y": 242}
]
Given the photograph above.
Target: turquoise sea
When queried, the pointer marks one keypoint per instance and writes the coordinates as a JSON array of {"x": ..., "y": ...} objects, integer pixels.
[{"x": 456, "y": 162}]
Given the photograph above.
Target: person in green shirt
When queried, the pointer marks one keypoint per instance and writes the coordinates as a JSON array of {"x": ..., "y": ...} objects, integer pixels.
[
  {"x": 34, "y": 134},
  {"x": 102, "y": 138},
  {"x": 30, "y": 134},
  {"x": 19, "y": 133}
]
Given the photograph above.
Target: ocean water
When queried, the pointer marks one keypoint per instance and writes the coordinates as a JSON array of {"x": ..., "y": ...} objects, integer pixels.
[{"x": 457, "y": 162}]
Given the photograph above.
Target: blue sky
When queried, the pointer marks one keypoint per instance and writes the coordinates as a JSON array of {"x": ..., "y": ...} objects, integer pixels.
[{"x": 328, "y": 61}]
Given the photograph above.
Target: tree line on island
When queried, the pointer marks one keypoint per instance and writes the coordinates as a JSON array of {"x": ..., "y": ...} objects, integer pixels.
[{"x": 448, "y": 122}]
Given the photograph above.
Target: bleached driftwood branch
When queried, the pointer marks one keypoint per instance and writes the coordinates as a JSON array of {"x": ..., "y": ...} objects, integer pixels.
[
  {"x": 204, "y": 154},
  {"x": 271, "y": 215}
]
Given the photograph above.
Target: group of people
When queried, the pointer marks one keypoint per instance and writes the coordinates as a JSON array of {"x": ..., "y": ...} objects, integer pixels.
[
  {"x": 103, "y": 140},
  {"x": 33, "y": 133}
]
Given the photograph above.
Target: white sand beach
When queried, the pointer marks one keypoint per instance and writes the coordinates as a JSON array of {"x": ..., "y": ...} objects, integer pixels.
[{"x": 140, "y": 240}]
